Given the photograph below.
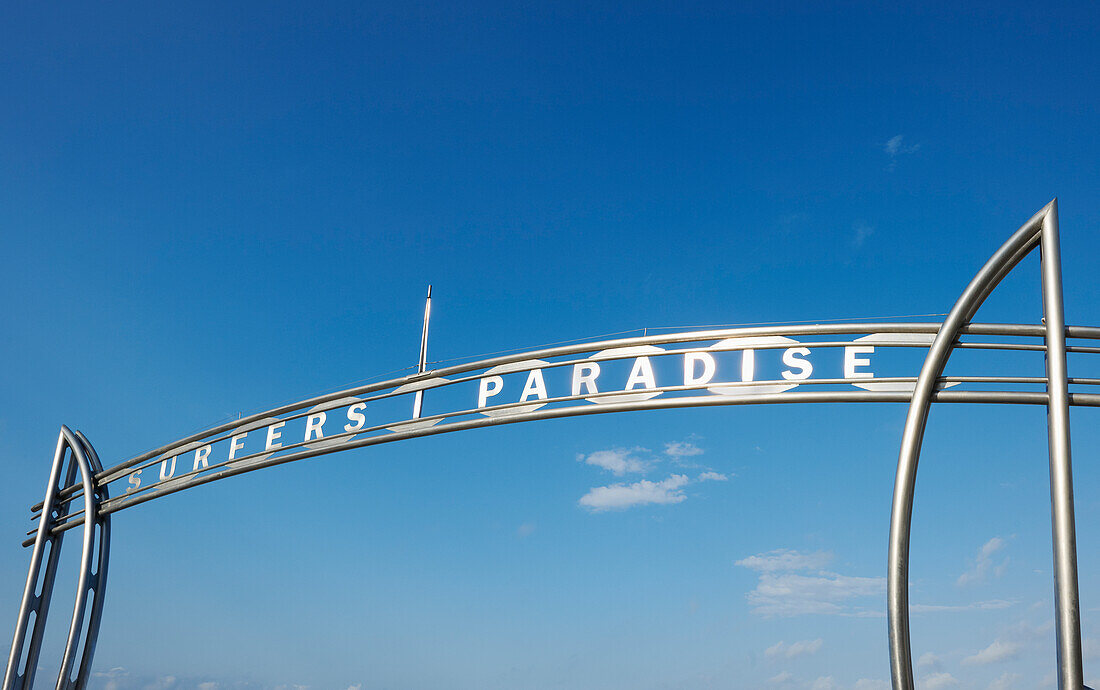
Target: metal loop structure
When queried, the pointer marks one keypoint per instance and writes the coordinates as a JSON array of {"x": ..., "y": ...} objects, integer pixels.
[
  {"x": 93, "y": 570},
  {"x": 521, "y": 387}
]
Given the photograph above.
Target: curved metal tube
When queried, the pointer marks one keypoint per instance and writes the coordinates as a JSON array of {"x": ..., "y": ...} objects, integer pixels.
[
  {"x": 76, "y": 447},
  {"x": 98, "y": 584},
  {"x": 999, "y": 265},
  {"x": 38, "y": 605},
  {"x": 82, "y": 458}
]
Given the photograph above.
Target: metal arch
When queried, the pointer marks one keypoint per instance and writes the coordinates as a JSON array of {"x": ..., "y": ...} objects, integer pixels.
[
  {"x": 1041, "y": 229},
  {"x": 97, "y": 580},
  {"x": 82, "y": 458},
  {"x": 459, "y": 420}
]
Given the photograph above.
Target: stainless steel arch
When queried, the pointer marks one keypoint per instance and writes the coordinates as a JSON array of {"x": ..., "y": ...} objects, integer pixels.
[
  {"x": 1040, "y": 230},
  {"x": 92, "y": 579},
  {"x": 200, "y": 449}
]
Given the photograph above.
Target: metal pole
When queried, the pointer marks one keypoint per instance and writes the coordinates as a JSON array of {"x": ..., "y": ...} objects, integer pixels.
[
  {"x": 418, "y": 399},
  {"x": 1067, "y": 607}
]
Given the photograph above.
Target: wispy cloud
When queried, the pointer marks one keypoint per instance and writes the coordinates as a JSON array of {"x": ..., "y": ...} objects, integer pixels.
[
  {"x": 621, "y": 461},
  {"x": 618, "y": 461},
  {"x": 783, "y": 591},
  {"x": 936, "y": 681},
  {"x": 786, "y": 559},
  {"x": 1006, "y": 681},
  {"x": 781, "y": 678},
  {"x": 712, "y": 477},
  {"x": 895, "y": 146},
  {"x": 999, "y": 650},
  {"x": 982, "y": 565},
  {"x": 682, "y": 449},
  {"x": 824, "y": 683},
  {"x": 988, "y": 605},
  {"x": 929, "y": 660},
  {"x": 871, "y": 684},
  {"x": 794, "y": 650},
  {"x": 623, "y": 496}
]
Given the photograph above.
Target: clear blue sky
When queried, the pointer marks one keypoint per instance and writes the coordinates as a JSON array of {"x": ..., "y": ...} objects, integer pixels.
[{"x": 212, "y": 208}]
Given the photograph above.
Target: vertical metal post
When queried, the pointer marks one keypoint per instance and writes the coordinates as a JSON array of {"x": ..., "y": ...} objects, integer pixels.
[
  {"x": 1067, "y": 607},
  {"x": 418, "y": 399}
]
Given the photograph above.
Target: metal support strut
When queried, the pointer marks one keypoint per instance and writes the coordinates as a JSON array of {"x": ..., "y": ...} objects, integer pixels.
[
  {"x": 20, "y": 671},
  {"x": 1040, "y": 230}
]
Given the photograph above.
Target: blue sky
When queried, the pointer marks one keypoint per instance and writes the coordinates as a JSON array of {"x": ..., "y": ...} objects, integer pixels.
[{"x": 209, "y": 209}]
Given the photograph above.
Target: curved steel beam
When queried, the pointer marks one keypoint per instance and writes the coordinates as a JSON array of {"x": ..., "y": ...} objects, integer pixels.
[
  {"x": 97, "y": 578},
  {"x": 93, "y": 576},
  {"x": 225, "y": 469},
  {"x": 1025, "y": 239}
]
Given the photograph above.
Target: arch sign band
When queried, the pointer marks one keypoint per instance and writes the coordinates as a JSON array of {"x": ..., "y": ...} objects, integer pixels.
[{"x": 816, "y": 363}]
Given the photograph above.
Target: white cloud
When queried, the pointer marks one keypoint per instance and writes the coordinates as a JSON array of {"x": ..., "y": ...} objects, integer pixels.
[
  {"x": 622, "y": 496},
  {"x": 780, "y": 678},
  {"x": 786, "y": 559},
  {"x": 895, "y": 146},
  {"x": 983, "y": 563},
  {"x": 712, "y": 477},
  {"x": 208, "y": 685},
  {"x": 824, "y": 683},
  {"x": 928, "y": 660},
  {"x": 682, "y": 449},
  {"x": 871, "y": 684},
  {"x": 783, "y": 591},
  {"x": 794, "y": 649},
  {"x": 935, "y": 681},
  {"x": 1006, "y": 681},
  {"x": 791, "y": 594},
  {"x": 618, "y": 461},
  {"x": 999, "y": 650},
  {"x": 988, "y": 605},
  {"x": 357, "y": 686}
]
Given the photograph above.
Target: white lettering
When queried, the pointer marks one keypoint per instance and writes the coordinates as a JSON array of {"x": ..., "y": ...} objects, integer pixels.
[
  {"x": 484, "y": 392},
  {"x": 273, "y": 434},
  {"x": 690, "y": 360},
  {"x": 748, "y": 365},
  {"x": 851, "y": 361},
  {"x": 355, "y": 414},
  {"x": 535, "y": 386},
  {"x": 585, "y": 375},
  {"x": 791, "y": 360},
  {"x": 641, "y": 373},
  {"x": 164, "y": 473},
  {"x": 314, "y": 422},
  {"x": 235, "y": 444},
  {"x": 135, "y": 481},
  {"x": 201, "y": 455}
]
